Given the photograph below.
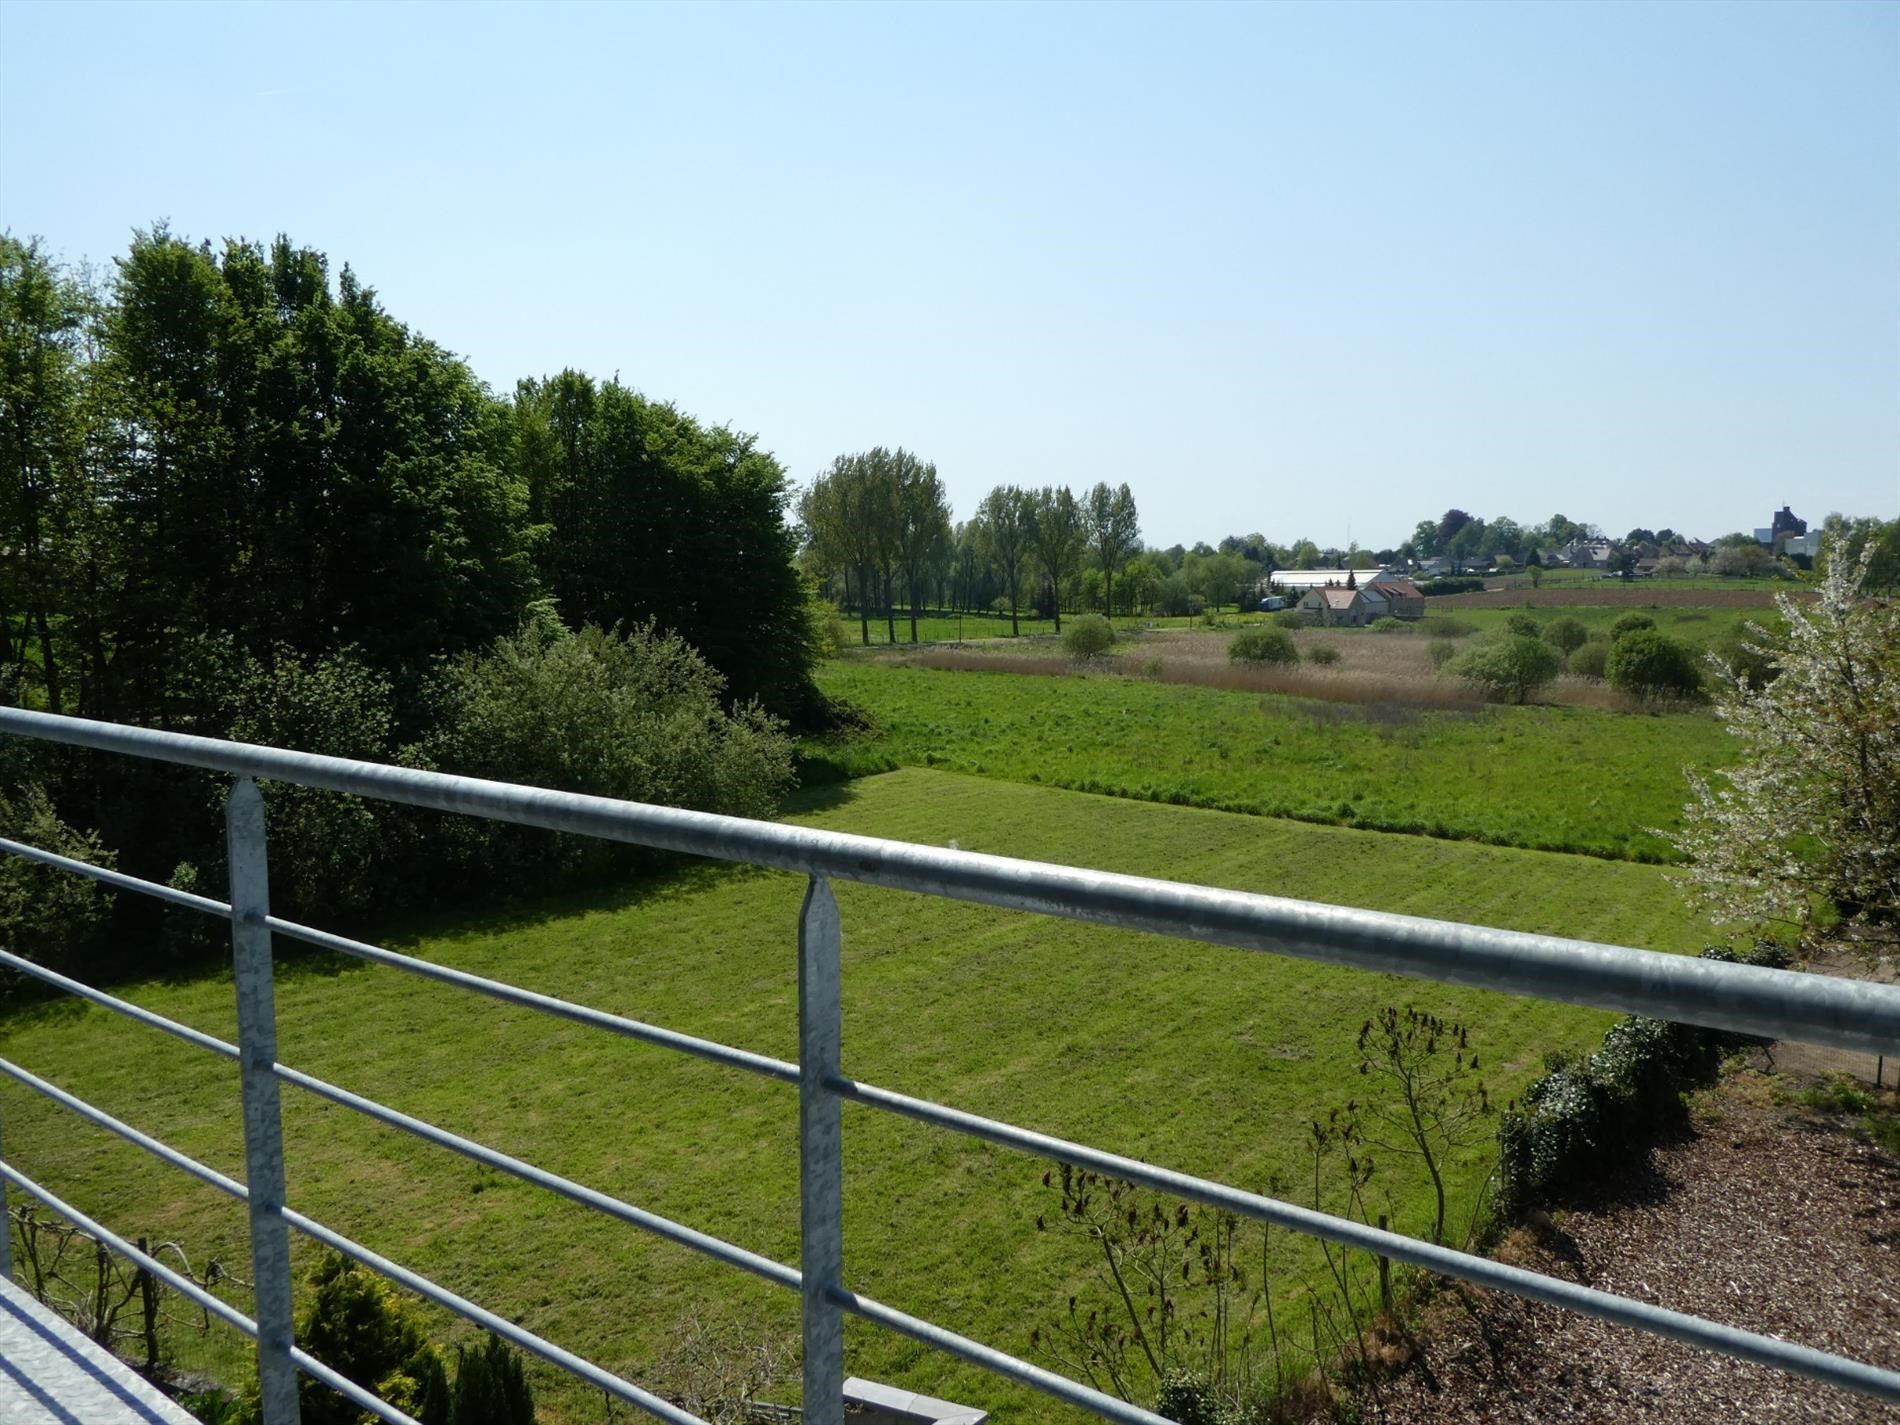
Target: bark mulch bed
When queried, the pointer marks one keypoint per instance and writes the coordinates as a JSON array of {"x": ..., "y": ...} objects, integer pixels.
[{"x": 1767, "y": 1216}]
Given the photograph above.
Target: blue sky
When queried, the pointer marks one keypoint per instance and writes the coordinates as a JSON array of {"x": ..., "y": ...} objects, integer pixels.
[{"x": 1306, "y": 270}]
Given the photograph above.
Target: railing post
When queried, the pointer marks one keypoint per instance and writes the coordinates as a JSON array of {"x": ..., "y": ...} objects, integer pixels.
[
  {"x": 820, "y": 1156},
  {"x": 263, "y": 1125}
]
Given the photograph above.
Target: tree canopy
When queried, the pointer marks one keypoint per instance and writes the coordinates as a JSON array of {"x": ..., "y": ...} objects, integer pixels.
[
  {"x": 238, "y": 496},
  {"x": 1804, "y": 829}
]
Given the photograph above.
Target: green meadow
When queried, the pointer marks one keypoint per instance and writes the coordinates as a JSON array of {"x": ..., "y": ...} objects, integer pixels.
[
  {"x": 1693, "y": 625},
  {"x": 1204, "y": 1059},
  {"x": 1549, "y": 778}
]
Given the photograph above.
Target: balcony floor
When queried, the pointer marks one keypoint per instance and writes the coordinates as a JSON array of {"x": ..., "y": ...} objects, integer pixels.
[{"x": 52, "y": 1375}]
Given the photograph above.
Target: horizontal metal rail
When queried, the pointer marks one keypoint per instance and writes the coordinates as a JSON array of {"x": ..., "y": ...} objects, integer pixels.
[
  {"x": 1779, "y": 1004},
  {"x": 198, "y": 1296},
  {"x": 914, "y": 1327},
  {"x": 515, "y": 1335},
  {"x": 928, "y": 1333},
  {"x": 613, "y": 1207},
  {"x": 125, "y": 1007},
  {"x": 624, "y": 1390},
  {"x": 1061, "y": 1387},
  {"x": 375, "y": 954},
  {"x": 118, "y": 880},
  {"x": 1739, "y": 998},
  {"x": 706, "y": 1049},
  {"x": 1107, "y": 1406},
  {"x": 1481, "y": 1271},
  {"x": 100, "y": 1118}
]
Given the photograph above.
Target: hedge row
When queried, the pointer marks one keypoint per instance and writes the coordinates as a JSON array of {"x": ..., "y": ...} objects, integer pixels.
[{"x": 1587, "y": 1118}]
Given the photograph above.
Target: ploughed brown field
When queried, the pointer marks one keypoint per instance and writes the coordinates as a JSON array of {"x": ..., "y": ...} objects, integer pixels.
[{"x": 1634, "y": 595}]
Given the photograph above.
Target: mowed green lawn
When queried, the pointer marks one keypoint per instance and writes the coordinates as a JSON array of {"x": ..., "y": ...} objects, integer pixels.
[
  {"x": 1550, "y": 778},
  {"x": 1204, "y": 1059}
]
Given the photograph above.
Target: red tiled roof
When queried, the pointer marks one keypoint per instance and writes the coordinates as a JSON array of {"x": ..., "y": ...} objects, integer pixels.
[{"x": 1404, "y": 588}]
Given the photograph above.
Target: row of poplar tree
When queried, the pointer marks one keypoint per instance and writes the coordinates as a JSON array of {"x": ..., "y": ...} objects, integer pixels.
[{"x": 879, "y": 523}]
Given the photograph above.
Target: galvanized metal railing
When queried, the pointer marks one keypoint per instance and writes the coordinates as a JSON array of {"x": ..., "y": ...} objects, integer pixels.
[{"x": 1779, "y": 1004}]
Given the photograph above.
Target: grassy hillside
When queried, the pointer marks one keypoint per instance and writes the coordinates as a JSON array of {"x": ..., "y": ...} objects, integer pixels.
[
  {"x": 1209, "y": 1060},
  {"x": 1566, "y": 779}
]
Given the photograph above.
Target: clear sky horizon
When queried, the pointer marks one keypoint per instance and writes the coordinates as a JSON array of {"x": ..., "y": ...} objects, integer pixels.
[{"x": 1317, "y": 271}]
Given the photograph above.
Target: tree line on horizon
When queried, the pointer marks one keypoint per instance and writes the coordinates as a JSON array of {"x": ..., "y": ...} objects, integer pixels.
[{"x": 878, "y": 536}]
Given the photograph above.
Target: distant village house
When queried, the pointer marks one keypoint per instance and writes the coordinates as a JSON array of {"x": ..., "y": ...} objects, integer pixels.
[{"x": 1335, "y": 606}]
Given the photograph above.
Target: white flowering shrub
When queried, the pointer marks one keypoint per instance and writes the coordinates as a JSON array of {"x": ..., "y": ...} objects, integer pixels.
[{"x": 1807, "y": 824}]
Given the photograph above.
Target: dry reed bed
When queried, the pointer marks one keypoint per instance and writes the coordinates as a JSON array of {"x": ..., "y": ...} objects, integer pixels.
[
  {"x": 1373, "y": 669},
  {"x": 1634, "y": 596}
]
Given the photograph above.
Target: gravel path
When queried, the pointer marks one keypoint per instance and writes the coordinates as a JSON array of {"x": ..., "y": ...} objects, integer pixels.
[{"x": 1767, "y": 1218}]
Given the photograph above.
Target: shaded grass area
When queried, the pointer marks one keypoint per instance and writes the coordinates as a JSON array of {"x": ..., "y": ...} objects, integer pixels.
[
  {"x": 1566, "y": 779},
  {"x": 1203, "y": 1059}
]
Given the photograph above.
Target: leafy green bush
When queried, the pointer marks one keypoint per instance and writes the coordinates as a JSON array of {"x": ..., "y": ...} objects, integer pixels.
[
  {"x": 1450, "y": 628},
  {"x": 1743, "y": 654},
  {"x": 1839, "y": 1094},
  {"x": 435, "y": 1401},
  {"x": 47, "y": 915},
  {"x": 1323, "y": 654},
  {"x": 1187, "y": 1399},
  {"x": 490, "y": 1386},
  {"x": 1567, "y": 634},
  {"x": 213, "y": 1406},
  {"x": 1440, "y": 651},
  {"x": 1089, "y": 636},
  {"x": 1652, "y": 666},
  {"x": 1512, "y": 666},
  {"x": 356, "y": 1325},
  {"x": 1524, "y": 624},
  {"x": 633, "y": 714},
  {"x": 826, "y": 632},
  {"x": 1262, "y": 645},
  {"x": 1585, "y": 1118},
  {"x": 325, "y": 849},
  {"x": 1388, "y": 624},
  {"x": 1432, "y": 588},
  {"x": 1289, "y": 618},
  {"x": 1175, "y": 599},
  {"x": 1630, "y": 623},
  {"x": 1590, "y": 659}
]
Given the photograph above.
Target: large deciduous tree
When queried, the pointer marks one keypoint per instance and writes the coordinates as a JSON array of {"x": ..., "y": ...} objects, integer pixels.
[
  {"x": 45, "y": 499},
  {"x": 1805, "y": 828},
  {"x": 840, "y": 540},
  {"x": 1008, "y": 527},
  {"x": 1055, "y": 523},
  {"x": 652, "y": 516},
  {"x": 922, "y": 524},
  {"x": 1114, "y": 533},
  {"x": 293, "y": 468}
]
